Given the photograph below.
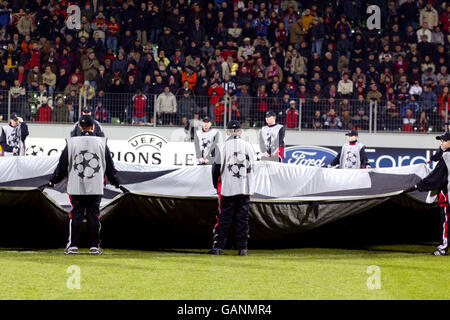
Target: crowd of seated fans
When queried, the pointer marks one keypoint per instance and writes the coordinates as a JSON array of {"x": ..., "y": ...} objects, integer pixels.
[{"x": 313, "y": 62}]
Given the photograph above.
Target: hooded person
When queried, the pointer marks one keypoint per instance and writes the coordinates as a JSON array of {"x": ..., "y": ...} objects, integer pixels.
[{"x": 352, "y": 155}]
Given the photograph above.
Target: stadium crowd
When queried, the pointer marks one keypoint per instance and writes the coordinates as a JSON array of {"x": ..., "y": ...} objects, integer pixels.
[{"x": 184, "y": 60}]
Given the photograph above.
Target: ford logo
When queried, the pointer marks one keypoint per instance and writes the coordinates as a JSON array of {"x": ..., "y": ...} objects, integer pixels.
[{"x": 309, "y": 156}]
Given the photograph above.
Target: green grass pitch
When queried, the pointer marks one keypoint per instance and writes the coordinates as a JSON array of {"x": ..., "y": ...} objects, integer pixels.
[{"x": 404, "y": 272}]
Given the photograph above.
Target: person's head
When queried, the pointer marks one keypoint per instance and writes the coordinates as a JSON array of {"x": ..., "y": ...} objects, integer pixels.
[
  {"x": 59, "y": 100},
  {"x": 292, "y": 104},
  {"x": 352, "y": 135},
  {"x": 86, "y": 111},
  {"x": 14, "y": 120},
  {"x": 206, "y": 123},
  {"x": 271, "y": 118},
  {"x": 234, "y": 128}
]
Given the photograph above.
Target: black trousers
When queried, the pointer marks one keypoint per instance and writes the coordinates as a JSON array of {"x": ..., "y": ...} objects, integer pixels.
[
  {"x": 443, "y": 243},
  {"x": 90, "y": 205},
  {"x": 234, "y": 208}
]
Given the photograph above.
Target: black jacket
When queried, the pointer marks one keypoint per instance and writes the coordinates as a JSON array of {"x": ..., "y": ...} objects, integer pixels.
[
  {"x": 437, "y": 156},
  {"x": 76, "y": 131},
  {"x": 436, "y": 180}
]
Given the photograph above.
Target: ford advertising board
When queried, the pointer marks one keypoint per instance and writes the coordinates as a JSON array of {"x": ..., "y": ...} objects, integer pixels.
[
  {"x": 309, "y": 156},
  {"x": 378, "y": 157}
]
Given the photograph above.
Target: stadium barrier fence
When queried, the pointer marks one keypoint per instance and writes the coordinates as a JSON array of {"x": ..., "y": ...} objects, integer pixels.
[{"x": 187, "y": 109}]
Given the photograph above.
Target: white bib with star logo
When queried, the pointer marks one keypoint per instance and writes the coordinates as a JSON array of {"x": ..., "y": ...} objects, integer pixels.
[
  {"x": 236, "y": 157},
  {"x": 87, "y": 165},
  {"x": 350, "y": 157}
]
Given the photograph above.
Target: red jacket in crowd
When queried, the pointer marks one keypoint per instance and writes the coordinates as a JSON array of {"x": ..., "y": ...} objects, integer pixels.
[
  {"x": 113, "y": 30},
  {"x": 215, "y": 94},
  {"x": 34, "y": 60},
  {"x": 139, "y": 104},
  {"x": 261, "y": 103},
  {"x": 218, "y": 111},
  {"x": 292, "y": 118},
  {"x": 44, "y": 113}
]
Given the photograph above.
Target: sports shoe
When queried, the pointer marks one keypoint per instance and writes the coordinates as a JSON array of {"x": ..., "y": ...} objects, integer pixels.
[
  {"x": 95, "y": 250},
  {"x": 242, "y": 252},
  {"x": 217, "y": 252},
  {"x": 71, "y": 250},
  {"x": 440, "y": 253}
]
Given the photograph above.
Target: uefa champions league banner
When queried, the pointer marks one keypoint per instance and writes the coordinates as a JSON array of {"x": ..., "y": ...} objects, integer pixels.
[
  {"x": 152, "y": 149},
  {"x": 147, "y": 148},
  {"x": 168, "y": 200}
]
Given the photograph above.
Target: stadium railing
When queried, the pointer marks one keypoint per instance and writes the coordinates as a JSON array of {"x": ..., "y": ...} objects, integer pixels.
[{"x": 182, "y": 109}]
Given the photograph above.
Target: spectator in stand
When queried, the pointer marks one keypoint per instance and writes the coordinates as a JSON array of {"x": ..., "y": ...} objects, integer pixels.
[
  {"x": 297, "y": 34},
  {"x": 345, "y": 86},
  {"x": 374, "y": 94},
  {"x": 445, "y": 18},
  {"x": 215, "y": 92},
  {"x": 245, "y": 105},
  {"x": 19, "y": 101},
  {"x": 190, "y": 76},
  {"x": 60, "y": 111},
  {"x": 166, "y": 107},
  {"x": 292, "y": 115},
  {"x": 220, "y": 109},
  {"x": 25, "y": 26},
  {"x": 392, "y": 115},
  {"x": 428, "y": 75},
  {"x": 139, "y": 108},
  {"x": 429, "y": 100},
  {"x": 332, "y": 120},
  {"x": 416, "y": 90},
  {"x": 429, "y": 15},
  {"x": 112, "y": 34},
  {"x": 49, "y": 79},
  {"x": 187, "y": 105},
  {"x": 423, "y": 123},
  {"x": 409, "y": 13},
  {"x": 443, "y": 75},
  {"x": 409, "y": 120},
  {"x": 261, "y": 106},
  {"x": 101, "y": 114},
  {"x": 44, "y": 111},
  {"x": 87, "y": 92},
  {"x": 34, "y": 78}
]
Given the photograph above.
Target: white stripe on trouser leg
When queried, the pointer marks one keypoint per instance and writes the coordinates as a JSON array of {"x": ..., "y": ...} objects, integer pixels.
[
  {"x": 99, "y": 229},
  {"x": 70, "y": 234},
  {"x": 444, "y": 229}
]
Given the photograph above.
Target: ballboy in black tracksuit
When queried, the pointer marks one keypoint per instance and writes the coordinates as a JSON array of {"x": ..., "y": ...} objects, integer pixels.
[
  {"x": 232, "y": 175},
  {"x": 353, "y": 154},
  {"x": 85, "y": 161},
  {"x": 271, "y": 139},
  {"x": 438, "y": 180}
]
